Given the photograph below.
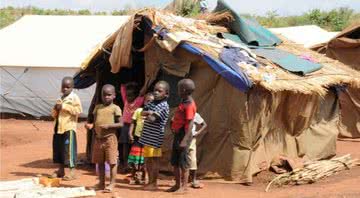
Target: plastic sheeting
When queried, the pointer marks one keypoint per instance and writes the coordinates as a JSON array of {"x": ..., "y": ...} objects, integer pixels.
[
  {"x": 249, "y": 30},
  {"x": 307, "y": 35},
  {"x": 236, "y": 78},
  {"x": 288, "y": 61},
  {"x": 54, "y": 41},
  {"x": 34, "y": 90}
]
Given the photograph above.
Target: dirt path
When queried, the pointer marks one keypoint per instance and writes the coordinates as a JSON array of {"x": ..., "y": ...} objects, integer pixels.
[{"x": 26, "y": 152}]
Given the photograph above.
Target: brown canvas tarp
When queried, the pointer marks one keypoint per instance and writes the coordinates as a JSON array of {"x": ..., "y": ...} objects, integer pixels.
[
  {"x": 247, "y": 130},
  {"x": 345, "y": 47},
  {"x": 350, "y": 113}
]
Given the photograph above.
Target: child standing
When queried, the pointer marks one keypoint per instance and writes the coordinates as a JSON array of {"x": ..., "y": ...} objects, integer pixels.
[
  {"x": 136, "y": 156},
  {"x": 191, "y": 155},
  {"x": 107, "y": 118},
  {"x": 132, "y": 101},
  {"x": 182, "y": 124},
  {"x": 153, "y": 131},
  {"x": 66, "y": 112}
]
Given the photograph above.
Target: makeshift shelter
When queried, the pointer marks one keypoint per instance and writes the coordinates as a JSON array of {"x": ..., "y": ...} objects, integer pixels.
[
  {"x": 38, "y": 51},
  {"x": 255, "y": 110},
  {"x": 345, "y": 47}
]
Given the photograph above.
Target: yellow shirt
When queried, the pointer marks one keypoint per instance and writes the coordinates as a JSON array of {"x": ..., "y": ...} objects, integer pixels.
[
  {"x": 139, "y": 122},
  {"x": 68, "y": 116},
  {"x": 105, "y": 115}
]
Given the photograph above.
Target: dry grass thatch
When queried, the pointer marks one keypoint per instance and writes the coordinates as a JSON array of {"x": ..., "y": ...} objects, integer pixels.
[
  {"x": 270, "y": 76},
  {"x": 332, "y": 73}
]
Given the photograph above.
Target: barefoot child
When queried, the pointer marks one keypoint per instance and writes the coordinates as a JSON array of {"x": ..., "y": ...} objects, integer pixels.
[
  {"x": 107, "y": 118},
  {"x": 66, "y": 112},
  {"x": 191, "y": 155},
  {"x": 132, "y": 101},
  {"x": 136, "y": 156},
  {"x": 153, "y": 131},
  {"x": 182, "y": 124}
]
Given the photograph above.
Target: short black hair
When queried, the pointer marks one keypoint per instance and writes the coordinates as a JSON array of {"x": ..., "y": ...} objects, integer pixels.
[
  {"x": 68, "y": 79},
  {"x": 188, "y": 85},
  {"x": 109, "y": 86},
  {"x": 165, "y": 84}
]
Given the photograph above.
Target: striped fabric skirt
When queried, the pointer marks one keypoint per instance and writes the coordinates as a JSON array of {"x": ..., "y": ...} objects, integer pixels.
[{"x": 136, "y": 156}]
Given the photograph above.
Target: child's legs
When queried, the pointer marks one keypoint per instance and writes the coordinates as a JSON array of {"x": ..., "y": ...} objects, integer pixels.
[
  {"x": 101, "y": 174},
  {"x": 124, "y": 144},
  {"x": 70, "y": 151},
  {"x": 126, "y": 151},
  {"x": 191, "y": 157},
  {"x": 149, "y": 168},
  {"x": 156, "y": 168},
  {"x": 184, "y": 177},
  {"x": 113, "y": 172}
]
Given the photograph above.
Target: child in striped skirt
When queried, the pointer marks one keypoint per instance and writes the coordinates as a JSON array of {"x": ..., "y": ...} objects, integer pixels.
[{"x": 136, "y": 156}]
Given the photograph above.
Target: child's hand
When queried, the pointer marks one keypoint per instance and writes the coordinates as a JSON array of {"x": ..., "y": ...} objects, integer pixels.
[
  {"x": 182, "y": 145},
  {"x": 89, "y": 126},
  {"x": 151, "y": 118},
  {"x": 131, "y": 139},
  {"x": 196, "y": 134},
  {"x": 58, "y": 107},
  {"x": 104, "y": 126}
]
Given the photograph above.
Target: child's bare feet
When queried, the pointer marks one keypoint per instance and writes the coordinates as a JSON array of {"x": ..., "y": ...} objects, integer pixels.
[
  {"x": 173, "y": 189},
  {"x": 181, "y": 190},
  {"x": 109, "y": 188},
  {"x": 151, "y": 187},
  {"x": 98, "y": 187}
]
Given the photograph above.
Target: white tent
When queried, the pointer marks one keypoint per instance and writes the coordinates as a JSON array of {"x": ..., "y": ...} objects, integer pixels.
[
  {"x": 36, "y": 52},
  {"x": 307, "y": 35}
]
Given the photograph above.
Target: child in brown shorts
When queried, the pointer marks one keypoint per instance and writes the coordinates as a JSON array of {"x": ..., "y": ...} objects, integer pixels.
[{"x": 107, "y": 118}]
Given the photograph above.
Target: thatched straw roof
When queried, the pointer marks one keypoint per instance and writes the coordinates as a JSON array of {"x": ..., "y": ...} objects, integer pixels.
[{"x": 201, "y": 34}]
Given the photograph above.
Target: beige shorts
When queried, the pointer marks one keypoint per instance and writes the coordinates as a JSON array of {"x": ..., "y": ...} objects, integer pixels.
[
  {"x": 191, "y": 155},
  {"x": 105, "y": 150}
]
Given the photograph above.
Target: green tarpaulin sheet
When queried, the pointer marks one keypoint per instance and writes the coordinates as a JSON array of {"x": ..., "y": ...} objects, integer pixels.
[
  {"x": 249, "y": 30},
  {"x": 288, "y": 61}
]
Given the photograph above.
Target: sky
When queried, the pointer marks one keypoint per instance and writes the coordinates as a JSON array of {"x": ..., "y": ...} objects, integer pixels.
[{"x": 258, "y": 7}]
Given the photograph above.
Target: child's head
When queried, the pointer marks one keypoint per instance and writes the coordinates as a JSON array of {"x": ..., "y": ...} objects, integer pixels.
[
  {"x": 67, "y": 85},
  {"x": 132, "y": 91},
  {"x": 161, "y": 90},
  {"x": 108, "y": 94},
  {"x": 149, "y": 97},
  {"x": 185, "y": 87}
]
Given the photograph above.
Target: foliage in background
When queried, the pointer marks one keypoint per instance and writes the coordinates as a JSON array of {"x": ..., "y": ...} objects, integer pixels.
[
  {"x": 189, "y": 8},
  {"x": 334, "y": 20}
]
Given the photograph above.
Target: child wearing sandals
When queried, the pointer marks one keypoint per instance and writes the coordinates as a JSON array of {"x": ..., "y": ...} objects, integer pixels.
[
  {"x": 107, "y": 118},
  {"x": 136, "y": 156},
  {"x": 66, "y": 112}
]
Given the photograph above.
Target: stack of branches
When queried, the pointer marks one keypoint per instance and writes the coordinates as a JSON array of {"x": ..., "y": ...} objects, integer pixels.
[{"x": 314, "y": 171}]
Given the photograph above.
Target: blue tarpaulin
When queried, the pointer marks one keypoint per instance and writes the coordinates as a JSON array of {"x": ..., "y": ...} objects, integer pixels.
[{"x": 236, "y": 78}]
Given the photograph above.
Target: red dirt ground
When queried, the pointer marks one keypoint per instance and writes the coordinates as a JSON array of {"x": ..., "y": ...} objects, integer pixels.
[{"x": 26, "y": 152}]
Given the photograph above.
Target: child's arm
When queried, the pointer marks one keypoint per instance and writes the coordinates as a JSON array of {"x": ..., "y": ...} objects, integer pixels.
[
  {"x": 203, "y": 127},
  {"x": 123, "y": 93},
  {"x": 188, "y": 134},
  {"x": 150, "y": 115},
  {"x": 131, "y": 129},
  {"x": 116, "y": 125}
]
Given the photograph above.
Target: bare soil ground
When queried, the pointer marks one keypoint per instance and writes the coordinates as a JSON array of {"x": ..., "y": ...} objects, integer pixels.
[{"x": 26, "y": 147}]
